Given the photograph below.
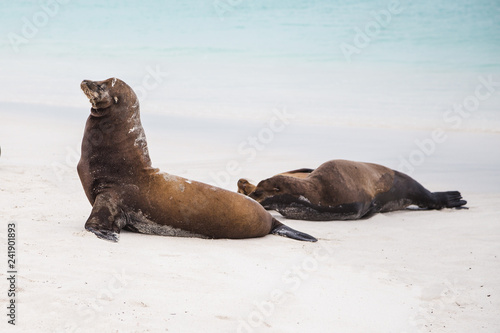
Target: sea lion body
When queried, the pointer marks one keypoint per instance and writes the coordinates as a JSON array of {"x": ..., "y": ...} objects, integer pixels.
[
  {"x": 126, "y": 192},
  {"x": 347, "y": 190}
]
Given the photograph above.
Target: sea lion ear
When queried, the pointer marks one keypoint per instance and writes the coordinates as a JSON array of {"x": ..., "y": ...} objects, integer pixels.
[{"x": 116, "y": 99}]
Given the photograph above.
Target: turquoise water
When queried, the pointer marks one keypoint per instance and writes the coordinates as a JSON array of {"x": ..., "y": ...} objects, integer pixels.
[
  {"x": 407, "y": 59},
  {"x": 451, "y": 34}
]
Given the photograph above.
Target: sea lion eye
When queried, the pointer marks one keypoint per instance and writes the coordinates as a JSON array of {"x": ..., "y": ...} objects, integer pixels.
[{"x": 276, "y": 189}]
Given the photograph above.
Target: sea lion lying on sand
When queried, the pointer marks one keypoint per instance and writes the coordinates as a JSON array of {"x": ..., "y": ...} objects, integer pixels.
[{"x": 344, "y": 190}]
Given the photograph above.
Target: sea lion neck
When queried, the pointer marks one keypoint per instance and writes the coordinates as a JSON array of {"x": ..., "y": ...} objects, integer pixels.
[
  {"x": 293, "y": 185},
  {"x": 99, "y": 113},
  {"x": 136, "y": 133},
  {"x": 116, "y": 136}
]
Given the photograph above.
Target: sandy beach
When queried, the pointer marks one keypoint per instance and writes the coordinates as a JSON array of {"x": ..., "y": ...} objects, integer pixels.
[
  {"x": 249, "y": 89},
  {"x": 407, "y": 271}
]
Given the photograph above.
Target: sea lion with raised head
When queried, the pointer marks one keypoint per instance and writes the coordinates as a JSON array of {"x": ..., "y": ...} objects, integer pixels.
[
  {"x": 345, "y": 190},
  {"x": 126, "y": 192}
]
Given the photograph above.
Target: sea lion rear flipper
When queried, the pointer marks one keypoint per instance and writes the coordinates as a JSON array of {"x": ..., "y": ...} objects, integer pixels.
[
  {"x": 285, "y": 231},
  {"x": 303, "y": 170},
  {"x": 106, "y": 218},
  {"x": 245, "y": 187},
  {"x": 450, "y": 199}
]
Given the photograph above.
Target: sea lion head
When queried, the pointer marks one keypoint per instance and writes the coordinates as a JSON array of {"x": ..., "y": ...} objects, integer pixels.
[
  {"x": 272, "y": 187},
  {"x": 104, "y": 95}
]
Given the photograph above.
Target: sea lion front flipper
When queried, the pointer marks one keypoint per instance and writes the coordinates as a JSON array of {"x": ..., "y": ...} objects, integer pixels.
[
  {"x": 104, "y": 234},
  {"x": 245, "y": 187},
  {"x": 285, "y": 231},
  {"x": 106, "y": 218}
]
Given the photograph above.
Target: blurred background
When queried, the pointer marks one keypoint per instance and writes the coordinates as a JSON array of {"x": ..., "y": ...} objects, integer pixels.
[{"x": 363, "y": 79}]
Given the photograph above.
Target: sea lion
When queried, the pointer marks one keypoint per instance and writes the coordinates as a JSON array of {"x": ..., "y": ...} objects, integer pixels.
[
  {"x": 346, "y": 190},
  {"x": 126, "y": 192}
]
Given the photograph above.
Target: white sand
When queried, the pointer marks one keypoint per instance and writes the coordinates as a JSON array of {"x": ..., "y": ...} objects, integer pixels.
[{"x": 425, "y": 271}]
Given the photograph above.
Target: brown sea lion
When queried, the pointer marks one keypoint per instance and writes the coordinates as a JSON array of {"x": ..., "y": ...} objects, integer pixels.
[
  {"x": 346, "y": 190},
  {"x": 125, "y": 191}
]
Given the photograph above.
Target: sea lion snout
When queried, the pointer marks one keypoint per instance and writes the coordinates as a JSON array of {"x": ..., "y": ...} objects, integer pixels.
[
  {"x": 88, "y": 88},
  {"x": 97, "y": 93}
]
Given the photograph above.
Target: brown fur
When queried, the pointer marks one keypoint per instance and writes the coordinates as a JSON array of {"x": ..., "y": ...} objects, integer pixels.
[{"x": 344, "y": 190}]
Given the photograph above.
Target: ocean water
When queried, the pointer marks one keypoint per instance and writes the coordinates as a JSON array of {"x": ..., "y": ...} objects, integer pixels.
[{"x": 416, "y": 64}]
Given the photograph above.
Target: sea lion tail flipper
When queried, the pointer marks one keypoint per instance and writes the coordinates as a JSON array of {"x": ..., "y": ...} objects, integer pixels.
[
  {"x": 450, "y": 199},
  {"x": 285, "y": 231}
]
